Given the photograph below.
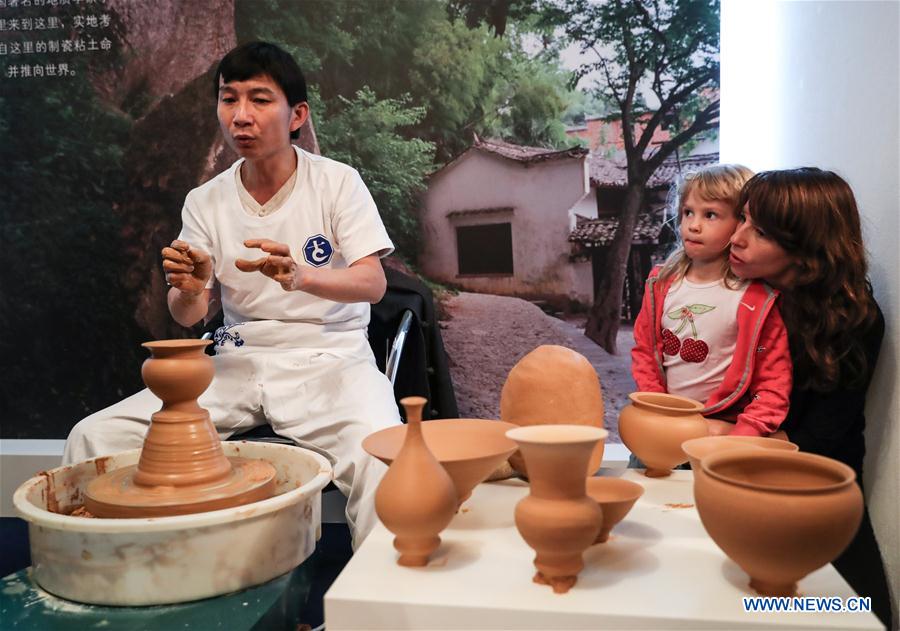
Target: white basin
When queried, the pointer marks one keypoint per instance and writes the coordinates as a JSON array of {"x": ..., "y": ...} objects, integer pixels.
[{"x": 164, "y": 560}]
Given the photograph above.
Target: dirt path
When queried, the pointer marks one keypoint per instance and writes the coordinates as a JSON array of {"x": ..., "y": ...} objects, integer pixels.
[{"x": 488, "y": 334}]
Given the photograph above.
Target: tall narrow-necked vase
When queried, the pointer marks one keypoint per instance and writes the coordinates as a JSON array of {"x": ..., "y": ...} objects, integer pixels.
[
  {"x": 557, "y": 518},
  {"x": 416, "y": 499}
]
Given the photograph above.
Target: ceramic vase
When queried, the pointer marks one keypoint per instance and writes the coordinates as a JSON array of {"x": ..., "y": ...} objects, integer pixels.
[
  {"x": 779, "y": 515},
  {"x": 416, "y": 499},
  {"x": 182, "y": 446},
  {"x": 553, "y": 384},
  {"x": 557, "y": 518},
  {"x": 655, "y": 425}
]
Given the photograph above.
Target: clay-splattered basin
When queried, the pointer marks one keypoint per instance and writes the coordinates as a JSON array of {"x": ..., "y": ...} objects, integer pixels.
[
  {"x": 164, "y": 560},
  {"x": 615, "y": 497},
  {"x": 697, "y": 448},
  {"x": 469, "y": 449},
  {"x": 778, "y": 514}
]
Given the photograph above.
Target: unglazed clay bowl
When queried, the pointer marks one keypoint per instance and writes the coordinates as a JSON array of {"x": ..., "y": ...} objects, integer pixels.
[
  {"x": 779, "y": 515},
  {"x": 698, "y": 448},
  {"x": 165, "y": 560},
  {"x": 655, "y": 425},
  {"x": 553, "y": 385},
  {"x": 469, "y": 449},
  {"x": 615, "y": 497}
]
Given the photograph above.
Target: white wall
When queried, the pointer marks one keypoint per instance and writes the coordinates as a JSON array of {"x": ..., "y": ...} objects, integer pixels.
[{"x": 818, "y": 84}]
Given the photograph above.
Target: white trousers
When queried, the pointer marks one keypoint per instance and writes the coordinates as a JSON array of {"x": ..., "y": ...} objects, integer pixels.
[{"x": 320, "y": 400}]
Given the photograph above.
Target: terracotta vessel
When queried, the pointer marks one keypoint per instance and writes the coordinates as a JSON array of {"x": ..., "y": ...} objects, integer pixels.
[
  {"x": 468, "y": 449},
  {"x": 182, "y": 468},
  {"x": 557, "y": 518},
  {"x": 698, "y": 448},
  {"x": 655, "y": 425},
  {"x": 416, "y": 498},
  {"x": 615, "y": 498},
  {"x": 553, "y": 384},
  {"x": 779, "y": 515}
]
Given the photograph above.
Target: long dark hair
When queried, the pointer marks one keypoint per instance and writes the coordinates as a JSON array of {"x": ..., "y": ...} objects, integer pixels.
[{"x": 812, "y": 214}]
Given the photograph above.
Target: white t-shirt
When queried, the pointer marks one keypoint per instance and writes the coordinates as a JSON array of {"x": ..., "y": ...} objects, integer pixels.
[
  {"x": 704, "y": 319},
  {"x": 329, "y": 221}
]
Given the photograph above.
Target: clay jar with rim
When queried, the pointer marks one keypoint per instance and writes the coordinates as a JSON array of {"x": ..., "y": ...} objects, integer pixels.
[
  {"x": 779, "y": 515},
  {"x": 557, "y": 518},
  {"x": 553, "y": 384},
  {"x": 698, "y": 448},
  {"x": 615, "y": 497},
  {"x": 416, "y": 498},
  {"x": 654, "y": 425}
]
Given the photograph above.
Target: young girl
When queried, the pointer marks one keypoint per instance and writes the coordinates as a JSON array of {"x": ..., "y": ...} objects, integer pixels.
[{"x": 704, "y": 334}]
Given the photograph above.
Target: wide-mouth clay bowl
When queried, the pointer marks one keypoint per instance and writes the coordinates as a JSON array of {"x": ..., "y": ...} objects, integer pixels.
[
  {"x": 698, "y": 448},
  {"x": 655, "y": 425},
  {"x": 469, "y": 449},
  {"x": 615, "y": 497},
  {"x": 779, "y": 515},
  {"x": 166, "y": 560}
]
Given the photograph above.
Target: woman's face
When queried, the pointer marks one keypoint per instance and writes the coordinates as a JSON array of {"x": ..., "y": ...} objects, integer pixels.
[{"x": 755, "y": 255}]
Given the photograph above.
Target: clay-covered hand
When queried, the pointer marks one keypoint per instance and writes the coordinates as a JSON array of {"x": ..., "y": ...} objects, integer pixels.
[
  {"x": 279, "y": 265},
  {"x": 187, "y": 268}
]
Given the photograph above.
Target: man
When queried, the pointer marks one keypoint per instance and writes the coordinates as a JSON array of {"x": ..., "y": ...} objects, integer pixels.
[{"x": 290, "y": 243}]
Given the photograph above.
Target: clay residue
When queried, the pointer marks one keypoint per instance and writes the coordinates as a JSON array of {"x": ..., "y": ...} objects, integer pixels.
[
  {"x": 679, "y": 505},
  {"x": 100, "y": 465},
  {"x": 50, "y": 492},
  {"x": 81, "y": 511}
]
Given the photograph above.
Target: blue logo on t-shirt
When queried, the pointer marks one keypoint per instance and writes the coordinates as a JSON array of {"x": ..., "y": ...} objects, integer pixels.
[{"x": 317, "y": 251}]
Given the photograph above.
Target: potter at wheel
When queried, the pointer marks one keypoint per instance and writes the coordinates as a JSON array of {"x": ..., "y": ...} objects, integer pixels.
[{"x": 182, "y": 468}]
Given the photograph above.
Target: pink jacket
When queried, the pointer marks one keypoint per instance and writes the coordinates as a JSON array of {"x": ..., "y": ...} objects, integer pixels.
[{"x": 757, "y": 386}]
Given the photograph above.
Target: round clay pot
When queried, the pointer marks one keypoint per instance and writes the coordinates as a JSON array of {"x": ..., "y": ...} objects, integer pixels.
[
  {"x": 557, "y": 518},
  {"x": 469, "y": 449},
  {"x": 550, "y": 385},
  {"x": 615, "y": 497},
  {"x": 655, "y": 425},
  {"x": 416, "y": 498},
  {"x": 698, "y": 448},
  {"x": 779, "y": 515}
]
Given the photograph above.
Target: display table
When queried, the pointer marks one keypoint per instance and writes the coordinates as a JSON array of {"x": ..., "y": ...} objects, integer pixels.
[{"x": 659, "y": 570}]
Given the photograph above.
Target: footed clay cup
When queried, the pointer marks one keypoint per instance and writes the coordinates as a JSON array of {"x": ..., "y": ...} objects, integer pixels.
[
  {"x": 655, "y": 425},
  {"x": 698, "y": 448},
  {"x": 779, "y": 515},
  {"x": 469, "y": 449},
  {"x": 615, "y": 497}
]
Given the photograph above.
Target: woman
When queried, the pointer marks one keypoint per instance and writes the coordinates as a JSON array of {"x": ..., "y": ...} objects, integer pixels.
[{"x": 801, "y": 233}]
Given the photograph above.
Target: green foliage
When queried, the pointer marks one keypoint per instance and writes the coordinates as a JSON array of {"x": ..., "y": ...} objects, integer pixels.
[
  {"x": 365, "y": 134},
  {"x": 64, "y": 312}
]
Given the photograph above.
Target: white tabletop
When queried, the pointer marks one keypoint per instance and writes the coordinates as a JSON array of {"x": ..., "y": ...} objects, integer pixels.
[{"x": 659, "y": 570}]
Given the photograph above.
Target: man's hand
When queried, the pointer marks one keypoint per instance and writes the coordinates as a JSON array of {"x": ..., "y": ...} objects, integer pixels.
[
  {"x": 187, "y": 268},
  {"x": 278, "y": 265}
]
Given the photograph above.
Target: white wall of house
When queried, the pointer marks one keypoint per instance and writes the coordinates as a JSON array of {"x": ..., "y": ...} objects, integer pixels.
[
  {"x": 541, "y": 195},
  {"x": 824, "y": 90}
]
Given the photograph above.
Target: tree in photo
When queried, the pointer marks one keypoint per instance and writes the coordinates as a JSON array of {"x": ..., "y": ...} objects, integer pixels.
[{"x": 669, "y": 49}]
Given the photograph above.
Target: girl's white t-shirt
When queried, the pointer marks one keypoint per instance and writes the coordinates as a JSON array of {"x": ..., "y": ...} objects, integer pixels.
[
  {"x": 703, "y": 318},
  {"x": 329, "y": 221}
]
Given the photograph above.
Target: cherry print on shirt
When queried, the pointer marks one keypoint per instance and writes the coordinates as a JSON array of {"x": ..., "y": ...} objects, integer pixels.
[
  {"x": 671, "y": 343},
  {"x": 693, "y": 349}
]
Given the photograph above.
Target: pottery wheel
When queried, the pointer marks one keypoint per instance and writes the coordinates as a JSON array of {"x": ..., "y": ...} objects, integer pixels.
[{"x": 115, "y": 494}]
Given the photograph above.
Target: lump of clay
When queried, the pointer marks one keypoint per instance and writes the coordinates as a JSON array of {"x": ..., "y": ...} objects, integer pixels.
[{"x": 552, "y": 385}]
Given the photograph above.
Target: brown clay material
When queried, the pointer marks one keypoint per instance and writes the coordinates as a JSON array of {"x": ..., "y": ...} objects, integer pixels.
[
  {"x": 416, "y": 499},
  {"x": 550, "y": 385},
  {"x": 779, "y": 515},
  {"x": 655, "y": 425},
  {"x": 182, "y": 468},
  {"x": 557, "y": 519},
  {"x": 468, "y": 449},
  {"x": 698, "y": 448},
  {"x": 615, "y": 498}
]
